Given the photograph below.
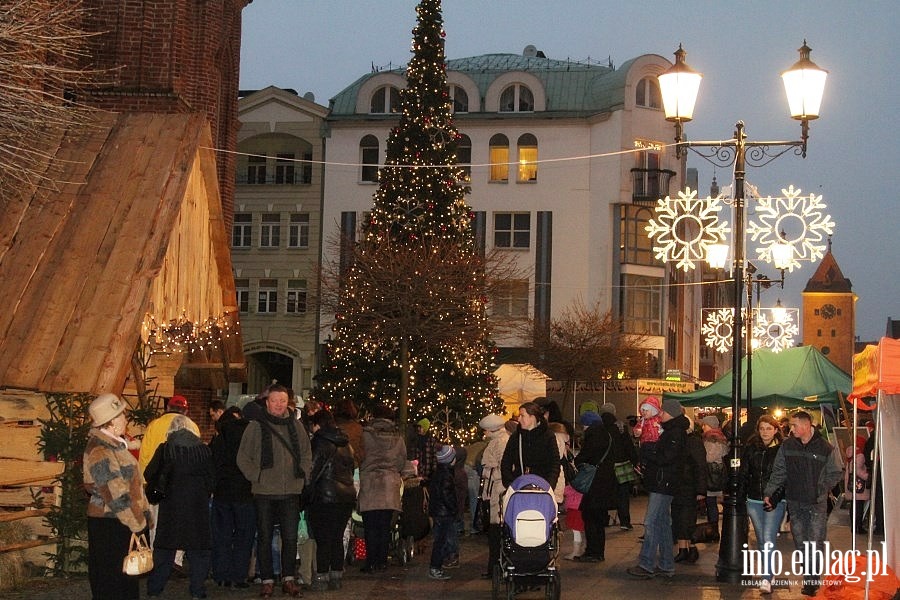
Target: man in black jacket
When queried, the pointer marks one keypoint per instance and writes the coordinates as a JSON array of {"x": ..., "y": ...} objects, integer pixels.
[
  {"x": 660, "y": 478},
  {"x": 807, "y": 466},
  {"x": 232, "y": 514}
]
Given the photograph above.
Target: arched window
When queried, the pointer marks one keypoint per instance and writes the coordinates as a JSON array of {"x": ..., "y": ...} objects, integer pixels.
[
  {"x": 516, "y": 98},
  {"x": 648, "y": 93},
  {"x": 499, "y": 155},
  {"x": 460, "y": 99},
  {"x": 385, "y": 99},
  {"x": 464, "y": 156},
  {"x": 528, "y": 155},
  {"x": 368, "y": 157}
]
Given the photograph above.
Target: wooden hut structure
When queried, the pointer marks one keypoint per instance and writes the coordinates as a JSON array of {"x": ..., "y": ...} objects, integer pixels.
[{"x": 125, "y": 231}]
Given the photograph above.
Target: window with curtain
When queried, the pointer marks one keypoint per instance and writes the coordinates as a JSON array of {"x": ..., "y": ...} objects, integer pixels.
[
  {"x": 459, "y": 98},
  {"x": 510, "y": 299},
  {"x": 517, "y": 98},
  {"x": 499, "y": 157},
  {"x": 385, "y": 99}
]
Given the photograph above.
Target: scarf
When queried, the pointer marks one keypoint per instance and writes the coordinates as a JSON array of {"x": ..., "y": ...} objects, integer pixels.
[{"x": 267, "y": 460}]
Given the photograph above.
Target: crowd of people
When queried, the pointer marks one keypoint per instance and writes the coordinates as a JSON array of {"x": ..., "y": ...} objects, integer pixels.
[{"x": 233, "y": 508}]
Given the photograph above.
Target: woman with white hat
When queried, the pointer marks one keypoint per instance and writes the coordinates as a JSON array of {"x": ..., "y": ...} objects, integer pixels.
[
  {"x": 117, "y": 506},
  {"x": 495, "y": 432}
]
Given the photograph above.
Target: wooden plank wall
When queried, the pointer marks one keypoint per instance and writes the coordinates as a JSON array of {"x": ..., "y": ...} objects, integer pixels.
[{"x": 24, "y": 473}]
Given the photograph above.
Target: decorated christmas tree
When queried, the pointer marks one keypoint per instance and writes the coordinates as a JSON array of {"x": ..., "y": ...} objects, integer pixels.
[{"x": 410, "y": 330}]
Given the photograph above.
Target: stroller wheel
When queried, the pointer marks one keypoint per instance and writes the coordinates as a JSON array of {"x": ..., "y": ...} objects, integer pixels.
[{"x": 554, "y": 587}]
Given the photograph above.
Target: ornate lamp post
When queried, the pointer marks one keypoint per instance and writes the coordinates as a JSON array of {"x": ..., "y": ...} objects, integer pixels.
[{"x": 804, "y": 84}]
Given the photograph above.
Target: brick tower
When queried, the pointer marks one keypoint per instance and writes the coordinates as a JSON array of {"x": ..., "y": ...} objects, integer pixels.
[
  {"x": 829, "y": 313},
  {"x": 172, "y": 56}
]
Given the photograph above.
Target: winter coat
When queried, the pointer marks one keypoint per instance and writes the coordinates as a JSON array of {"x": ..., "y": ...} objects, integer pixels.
[
  {"x": 690, "y": 480},
  {"x": 540, "y": 455},
  {"x": 380, "y": 471},
  {"x": 231, "y": 485},
  {"x": 717, "y": 447},
  {"x": 353, "y": 430},
  {"x": 112, "y": 479},
  {"x": 661, "y": 470},
  {"x": 155, "y": 434},
  {"x": 807, "y": 471},
  {"x": 599, "y": 449},
  {"x": 279, "y": 479},
  {"x": 331, "y": 476},
  {"x": 756, "y": 468},
  {"x": 442, "y": 502},
  {"x": 184, "y": 512},
  {"x": 493, "y": 488}
]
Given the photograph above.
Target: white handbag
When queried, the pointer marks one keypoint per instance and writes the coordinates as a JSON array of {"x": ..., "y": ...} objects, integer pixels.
[{"x": 139, "y": 559}]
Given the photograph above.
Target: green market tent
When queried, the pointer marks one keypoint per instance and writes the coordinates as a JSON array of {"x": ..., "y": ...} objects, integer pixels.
[{"x": 791, "y": 378}]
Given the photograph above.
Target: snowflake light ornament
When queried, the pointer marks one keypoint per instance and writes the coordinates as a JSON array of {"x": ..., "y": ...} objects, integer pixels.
[
  {"x": 775, "y": 329},
  {"x": 686, "y": 226},
  {"x": 718, "y": 328},
  {"x": 782, "y": 213}
]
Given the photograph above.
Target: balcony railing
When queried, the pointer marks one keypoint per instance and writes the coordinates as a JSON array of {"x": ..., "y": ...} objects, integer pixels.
[{"x": 650, "y": 184}]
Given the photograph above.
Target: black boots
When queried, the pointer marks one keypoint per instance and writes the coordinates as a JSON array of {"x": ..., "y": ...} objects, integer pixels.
[{"x": 687, "y": 555}]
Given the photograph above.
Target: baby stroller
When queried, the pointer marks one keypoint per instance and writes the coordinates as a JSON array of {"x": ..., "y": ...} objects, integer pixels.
[{"x": 529, "y": 546}]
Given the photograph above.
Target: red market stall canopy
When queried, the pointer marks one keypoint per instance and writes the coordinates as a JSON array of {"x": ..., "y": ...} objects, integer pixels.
[{"x": 788, "y": 379}]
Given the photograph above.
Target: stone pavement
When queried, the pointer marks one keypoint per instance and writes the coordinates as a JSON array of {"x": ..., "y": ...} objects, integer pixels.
[{"x": 606, "y": 580}]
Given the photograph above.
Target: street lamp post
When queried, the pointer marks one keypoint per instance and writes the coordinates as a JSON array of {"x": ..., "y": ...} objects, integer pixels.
[{"x": 804, "y": 83}]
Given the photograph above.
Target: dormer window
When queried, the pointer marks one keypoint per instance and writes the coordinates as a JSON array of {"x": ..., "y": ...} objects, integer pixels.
[
  {"x": 459, "y": 99},
  {"x": 385, "y": 99},
  {"x": 648, "y": 94},
  {"x": 516, "y": 98}
]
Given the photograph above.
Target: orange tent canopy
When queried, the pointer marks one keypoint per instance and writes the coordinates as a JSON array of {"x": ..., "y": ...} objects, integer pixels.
[{"x": 876, "y": 368}]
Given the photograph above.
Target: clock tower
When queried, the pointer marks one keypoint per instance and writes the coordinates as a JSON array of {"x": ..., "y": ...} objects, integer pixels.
[{"x": 829, "y": 313}]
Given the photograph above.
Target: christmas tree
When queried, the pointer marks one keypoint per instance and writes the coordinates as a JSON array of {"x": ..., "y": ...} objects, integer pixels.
[{"x": 410, "y": 330}]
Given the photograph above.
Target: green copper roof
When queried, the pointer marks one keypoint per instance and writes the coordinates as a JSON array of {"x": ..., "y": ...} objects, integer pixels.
[{"x": 570, "y": 86}]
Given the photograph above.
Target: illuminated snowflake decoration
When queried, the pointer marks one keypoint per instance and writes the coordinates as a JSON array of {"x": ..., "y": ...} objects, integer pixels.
[
  {"x": 775, "y": 330},
  {"x": 718, "y": 328},
  {"x": 685, "y": 227},
  {"x": 779, "y": 214}
]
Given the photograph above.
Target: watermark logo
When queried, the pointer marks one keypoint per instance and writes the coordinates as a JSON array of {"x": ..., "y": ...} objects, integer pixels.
[{"x": 814, "y": 560}]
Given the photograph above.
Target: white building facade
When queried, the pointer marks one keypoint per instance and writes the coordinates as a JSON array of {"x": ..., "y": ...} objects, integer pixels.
[{"x": 566, "y": 162}]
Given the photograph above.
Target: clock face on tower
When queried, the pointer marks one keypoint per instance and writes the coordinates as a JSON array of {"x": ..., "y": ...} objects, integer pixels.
[{"x": 828, "y": 311}]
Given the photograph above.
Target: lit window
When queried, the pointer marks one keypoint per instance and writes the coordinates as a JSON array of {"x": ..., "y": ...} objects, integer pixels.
[
  {"x": 296, "y": 296},
  {"x": 464, "y": 156},
  {"x": 298, "y": 231},
  {"x": 385, "y": 100},
  {"x": 270, "y": 231},
  {"x": 499, "y": 156},
  {"x": 242, "y": 287},
  {"x": 648, "y": 94},
  {"x": 641, "y": 304},
  {"x": 268, "y": 296},
  {"x": 512, "y": 230},
  {"x": 284, "y": 168},
  {"x": 368, "y": 158},
  {"x": 459, "y": 98},
  {"x": 511, "y": 299},
  {"x": 528, "y": 155},
  {"x": 256, "y": 169},
  {"x": 516, "y": 98},
  {"x": 240, "y": 231}
]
